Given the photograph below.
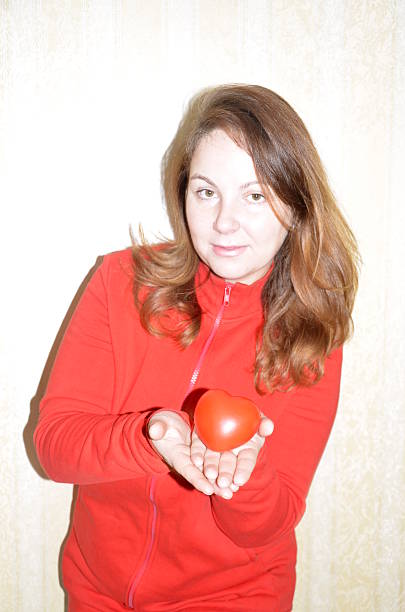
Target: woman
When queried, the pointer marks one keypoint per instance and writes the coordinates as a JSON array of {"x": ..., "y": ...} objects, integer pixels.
[{"x": 253, "y": 296}]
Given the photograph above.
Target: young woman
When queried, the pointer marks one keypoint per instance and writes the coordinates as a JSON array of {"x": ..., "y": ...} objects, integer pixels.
[{"x": 253, "y": 296}]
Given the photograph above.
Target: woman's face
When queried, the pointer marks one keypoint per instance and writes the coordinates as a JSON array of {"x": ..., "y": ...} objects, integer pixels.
[{"x": 232, "y": 226}]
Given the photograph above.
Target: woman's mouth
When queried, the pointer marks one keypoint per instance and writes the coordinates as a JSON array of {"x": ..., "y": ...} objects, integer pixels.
[{"x": 228, "y": 251}]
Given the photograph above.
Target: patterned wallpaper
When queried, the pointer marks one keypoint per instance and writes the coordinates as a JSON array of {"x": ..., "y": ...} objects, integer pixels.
[{"x": 90, "y": 95}]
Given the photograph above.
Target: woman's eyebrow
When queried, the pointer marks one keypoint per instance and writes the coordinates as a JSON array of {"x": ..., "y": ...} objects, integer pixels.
[
  {"x": 246, "y": 185},
  {"x": 207, "y": 180},
  {"x": 203, "y": 178}
]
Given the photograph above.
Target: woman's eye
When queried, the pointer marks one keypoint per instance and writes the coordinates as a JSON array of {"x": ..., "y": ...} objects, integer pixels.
[
  {"x": 256, "y": 198},
  {"x": 206, "y": 194}
]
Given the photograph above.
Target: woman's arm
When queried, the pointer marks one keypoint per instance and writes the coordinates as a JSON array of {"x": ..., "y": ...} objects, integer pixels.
[
  {"x": 273, "y": 500},
  {"x": 80, "y": 438}
]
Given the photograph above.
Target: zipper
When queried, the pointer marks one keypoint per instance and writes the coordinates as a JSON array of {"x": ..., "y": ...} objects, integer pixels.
[
  {"x": 144, "y": 565},
  {"x": 152, "y": 486},
  {"x": 218, "y": 319}
]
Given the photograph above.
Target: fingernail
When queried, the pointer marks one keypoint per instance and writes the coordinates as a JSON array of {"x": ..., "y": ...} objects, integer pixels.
[
  {"x": 227, "y": 495},
  {"x": 223, "y": 482},
  {"x": 239, "y": 481},
  {"x": 153, "y": 430}
]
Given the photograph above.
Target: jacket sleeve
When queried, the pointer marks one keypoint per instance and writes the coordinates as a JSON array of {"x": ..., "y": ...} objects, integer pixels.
[
  {"x": 273, "y": 501},
  {"x": 80, "y": 438}
]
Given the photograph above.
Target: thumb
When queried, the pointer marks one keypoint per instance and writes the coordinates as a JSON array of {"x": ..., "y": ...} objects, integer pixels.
[
  {"x": 157, "y": 430},
  {"x": 266, "y": 427}
]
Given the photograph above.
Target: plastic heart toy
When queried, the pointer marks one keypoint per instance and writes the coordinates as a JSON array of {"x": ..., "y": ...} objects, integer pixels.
[{"x": 223, "y": 421}]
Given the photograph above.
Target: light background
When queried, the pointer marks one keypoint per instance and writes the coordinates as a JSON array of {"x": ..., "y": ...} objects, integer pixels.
[{"x": 90, "y": 96}]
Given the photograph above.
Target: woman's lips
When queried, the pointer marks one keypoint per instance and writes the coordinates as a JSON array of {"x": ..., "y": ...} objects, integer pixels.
[{"x": 228, "y": 251}]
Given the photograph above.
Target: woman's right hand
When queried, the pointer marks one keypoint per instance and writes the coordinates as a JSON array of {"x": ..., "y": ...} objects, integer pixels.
[{"x": 170, "y": 436}]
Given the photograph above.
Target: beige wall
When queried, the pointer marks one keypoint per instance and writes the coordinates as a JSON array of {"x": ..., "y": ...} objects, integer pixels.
[{"x": 90, "y": 94}]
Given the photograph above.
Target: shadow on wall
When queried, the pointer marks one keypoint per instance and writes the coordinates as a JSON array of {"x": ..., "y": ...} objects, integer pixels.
[{"x": 34, "y": 404}]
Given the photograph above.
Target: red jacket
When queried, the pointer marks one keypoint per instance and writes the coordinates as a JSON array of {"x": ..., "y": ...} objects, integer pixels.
[{"x": 146, "y": 537}]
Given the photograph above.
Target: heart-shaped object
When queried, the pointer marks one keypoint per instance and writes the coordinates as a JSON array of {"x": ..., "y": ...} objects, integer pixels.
[{"x": 223, "y": 421}]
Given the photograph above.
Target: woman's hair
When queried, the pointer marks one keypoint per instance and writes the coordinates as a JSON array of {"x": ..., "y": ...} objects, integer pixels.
[{"x": 308, "y": 297}]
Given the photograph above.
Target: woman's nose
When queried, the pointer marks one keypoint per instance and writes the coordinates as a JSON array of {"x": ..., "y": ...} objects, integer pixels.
[{"x": 226, "y": 220}]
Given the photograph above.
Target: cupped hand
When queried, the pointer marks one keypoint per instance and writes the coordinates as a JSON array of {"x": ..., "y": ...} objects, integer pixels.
[
  {"x": 171, "y": 437},
  {"x": 229, "y": 470}
]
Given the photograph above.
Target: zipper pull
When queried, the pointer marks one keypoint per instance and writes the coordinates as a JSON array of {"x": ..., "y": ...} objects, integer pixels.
[{"x": 227, "y": 294}]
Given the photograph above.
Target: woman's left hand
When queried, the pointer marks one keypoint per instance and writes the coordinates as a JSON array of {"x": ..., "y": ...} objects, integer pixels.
[{"x": 230, "y": 469}]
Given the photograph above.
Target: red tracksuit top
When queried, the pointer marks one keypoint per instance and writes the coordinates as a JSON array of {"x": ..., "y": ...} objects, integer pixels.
[{"x": 146, "y": 538}]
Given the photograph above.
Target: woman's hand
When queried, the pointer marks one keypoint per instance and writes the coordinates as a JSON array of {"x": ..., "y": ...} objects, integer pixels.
[
  {"x": 229, "y": 470},
  {"x": 208, "y": 471},
  {"x": 171, "y": 438}
]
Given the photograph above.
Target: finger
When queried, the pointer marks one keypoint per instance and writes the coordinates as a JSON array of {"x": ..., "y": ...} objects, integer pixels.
[
  {"x": 157, "y": 430},
  {"x": 197, "y": 450},
  {"x": 246, "y": 462},
  {"x": 211, "y": 462},
  {"x": 266, "y": 427},
  {"x": 225, "y": 493},
  {"x": 226, "y": 469},
  {"x": 194, "y": 476}
]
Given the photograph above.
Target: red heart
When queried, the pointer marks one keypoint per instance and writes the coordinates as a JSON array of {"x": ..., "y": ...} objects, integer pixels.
[{"x": 223, "y": 421}]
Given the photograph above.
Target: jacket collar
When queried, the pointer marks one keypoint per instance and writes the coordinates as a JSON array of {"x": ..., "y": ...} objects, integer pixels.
[{"x": 244, "y": 300}]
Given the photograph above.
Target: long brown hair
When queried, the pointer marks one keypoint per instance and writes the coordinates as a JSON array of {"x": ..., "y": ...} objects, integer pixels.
[{"x": 308, "y": 298}]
